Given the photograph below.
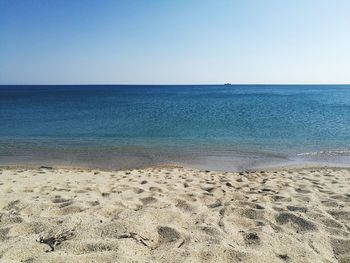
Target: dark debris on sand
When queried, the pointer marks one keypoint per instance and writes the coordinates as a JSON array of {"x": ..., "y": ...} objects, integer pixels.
[{"x": 57, "y": 239}]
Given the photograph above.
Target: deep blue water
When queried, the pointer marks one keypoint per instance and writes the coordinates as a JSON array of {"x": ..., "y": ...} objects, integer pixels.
[{"x": 248, "y": 123}]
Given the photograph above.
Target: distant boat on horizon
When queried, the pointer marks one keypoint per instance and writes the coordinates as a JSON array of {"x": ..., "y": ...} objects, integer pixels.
[{"x": 227, "y": 84}]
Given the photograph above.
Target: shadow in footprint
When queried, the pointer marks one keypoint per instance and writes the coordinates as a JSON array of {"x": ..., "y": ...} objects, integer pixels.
[
  {"x": 167, "y": 234},
  {"x": 298, "y": 223},
  {"x": 148, "y": 200},
  {"x": 251, "y": 238}
]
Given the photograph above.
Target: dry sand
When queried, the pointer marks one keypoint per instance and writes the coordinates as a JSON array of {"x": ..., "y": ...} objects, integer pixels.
[{"x": 174, "y": 214}]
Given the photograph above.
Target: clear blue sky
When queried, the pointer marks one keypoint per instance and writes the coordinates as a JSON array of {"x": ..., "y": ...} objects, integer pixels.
[{"x": 178, "y": 41}]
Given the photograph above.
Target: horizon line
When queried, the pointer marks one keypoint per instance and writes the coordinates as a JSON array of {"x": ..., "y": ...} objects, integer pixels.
[{"x": 182, "y": 84}]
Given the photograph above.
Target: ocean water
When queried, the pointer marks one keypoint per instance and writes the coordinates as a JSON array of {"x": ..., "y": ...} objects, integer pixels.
[{"x": 224, "y": 127}]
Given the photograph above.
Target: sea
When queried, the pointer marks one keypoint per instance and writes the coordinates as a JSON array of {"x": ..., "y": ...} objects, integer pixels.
[{"x": 218, "y": 127}]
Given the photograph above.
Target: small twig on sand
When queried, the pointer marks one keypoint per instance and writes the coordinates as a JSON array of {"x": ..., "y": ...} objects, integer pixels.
[
  {"x": 57, "y": 239},
  {"x": 136, "y": 237},
  {"x": 183, "y": 242}
]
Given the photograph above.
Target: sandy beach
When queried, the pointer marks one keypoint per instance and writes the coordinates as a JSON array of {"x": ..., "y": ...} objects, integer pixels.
[{"x": 174, "y": 214}]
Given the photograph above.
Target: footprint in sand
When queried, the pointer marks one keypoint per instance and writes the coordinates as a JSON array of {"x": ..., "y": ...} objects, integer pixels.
[
  {"x": 341, "y": 249},
  {"x": 298, "y": 223},
  {"x": 62, "y": 202},
  {"x": 58, "y": 199},
  {"x": 251, "y": 238},
  {"x": 167, "y": 234},
  {"x": 3, "y": 233},
  {"x": 252, "y": 213},
  {"x": 155, "y": 189},
  {"x": 138, "y": 190},
  {"x": 185, "y": 206},
  {"x": 148, "y": 200},
  {"x": 297, "y": 209},
  {"x": 340, "y": 215}
]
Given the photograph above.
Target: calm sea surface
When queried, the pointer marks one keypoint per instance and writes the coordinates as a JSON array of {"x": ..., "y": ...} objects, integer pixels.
[{"x": 221, "y": 127}]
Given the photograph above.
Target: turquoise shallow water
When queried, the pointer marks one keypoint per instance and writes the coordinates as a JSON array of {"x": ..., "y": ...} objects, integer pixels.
[{"x": 220, "y": 126}]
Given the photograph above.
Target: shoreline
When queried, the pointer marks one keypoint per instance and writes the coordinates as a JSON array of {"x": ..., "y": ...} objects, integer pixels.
[
  {"x": 174, "y": 214},
  {"x": 219, "y": 158},
  {"x": 294, "y": 167}
]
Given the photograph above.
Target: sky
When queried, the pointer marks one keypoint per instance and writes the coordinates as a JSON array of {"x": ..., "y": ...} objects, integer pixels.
[{"x": 174, "y": 41}]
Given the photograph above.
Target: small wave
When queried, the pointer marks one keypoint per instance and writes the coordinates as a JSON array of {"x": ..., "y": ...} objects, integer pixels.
[{"x": 327, "y": 153}]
